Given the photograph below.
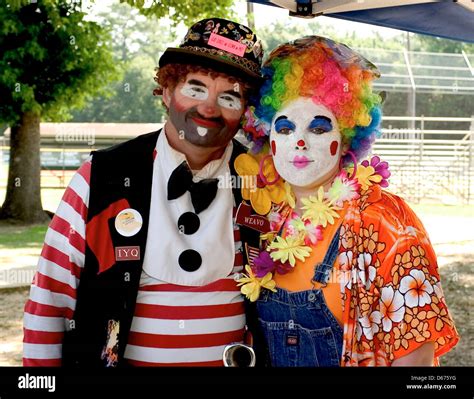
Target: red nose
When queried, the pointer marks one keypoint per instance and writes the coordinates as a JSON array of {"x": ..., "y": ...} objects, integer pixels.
[{"x": 301, "y": 143}]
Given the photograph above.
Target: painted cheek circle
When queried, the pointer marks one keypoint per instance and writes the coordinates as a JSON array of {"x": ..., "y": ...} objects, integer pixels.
[
  {"x": 333, "y": 147},
  {"x": 274, "y": 148}
]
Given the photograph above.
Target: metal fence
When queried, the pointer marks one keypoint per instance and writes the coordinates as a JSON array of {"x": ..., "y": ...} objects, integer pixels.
[{"x": 430, "y": 163}]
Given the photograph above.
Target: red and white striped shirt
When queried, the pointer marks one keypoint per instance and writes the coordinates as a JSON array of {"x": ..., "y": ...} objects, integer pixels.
[{"x": 173, "y": 325}]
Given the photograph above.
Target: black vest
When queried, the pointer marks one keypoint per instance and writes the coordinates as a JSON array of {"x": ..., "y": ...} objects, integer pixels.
[{"x": 120, "y": 172}]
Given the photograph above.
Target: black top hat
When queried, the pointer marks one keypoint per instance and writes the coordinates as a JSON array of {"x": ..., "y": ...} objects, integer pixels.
[{"x": 222, "y": 45}]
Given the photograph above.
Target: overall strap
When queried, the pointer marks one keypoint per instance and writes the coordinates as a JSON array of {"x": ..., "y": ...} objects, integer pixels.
[{"x": 323, "y": 269}]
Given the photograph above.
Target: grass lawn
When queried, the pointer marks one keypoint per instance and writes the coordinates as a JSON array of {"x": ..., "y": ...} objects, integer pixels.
[{"x": 21, "y": 237}]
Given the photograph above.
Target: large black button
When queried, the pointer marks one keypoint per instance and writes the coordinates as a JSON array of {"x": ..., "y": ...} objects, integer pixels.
[
  {"x": 190, "y": 260},
  {"x": 188, "y": 223}
]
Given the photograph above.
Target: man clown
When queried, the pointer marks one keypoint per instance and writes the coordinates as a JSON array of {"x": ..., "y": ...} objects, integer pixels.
[{"x": 139, "y": 262}]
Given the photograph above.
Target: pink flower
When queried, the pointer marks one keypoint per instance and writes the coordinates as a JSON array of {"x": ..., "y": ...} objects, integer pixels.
[
  {"x": 313, "y": 233},
  {"x": 253, "y": 126},
  {"x": 275, "y": 220},
  {"x": 343, "y": 189},
  {"x": 381, "y": 168},
  {"x": 290, "y": 228}
]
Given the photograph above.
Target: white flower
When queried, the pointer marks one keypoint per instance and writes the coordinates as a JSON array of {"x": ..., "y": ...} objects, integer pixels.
[
  {"x": 345, "y": 266},
  {"x": 439, "y": 291},
  {"x": 391, "y": 307},
  {"x": 416, "y": 288},
  {"x": 370, "y": 324},
  {"x": 345, "y": 260},
  {"x": 366, "y": 271}
]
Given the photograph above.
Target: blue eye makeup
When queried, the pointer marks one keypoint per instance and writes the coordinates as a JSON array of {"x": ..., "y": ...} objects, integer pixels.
[
  {"x": 320, "y": 124},
  {"x": 283, "y": 125}
]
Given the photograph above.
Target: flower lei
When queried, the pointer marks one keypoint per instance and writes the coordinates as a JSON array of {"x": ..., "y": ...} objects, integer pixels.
[{"x": 280, "y": 254}]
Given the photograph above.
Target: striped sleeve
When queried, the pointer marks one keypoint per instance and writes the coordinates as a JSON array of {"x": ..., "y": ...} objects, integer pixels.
[{"x": 52, "y": 299}]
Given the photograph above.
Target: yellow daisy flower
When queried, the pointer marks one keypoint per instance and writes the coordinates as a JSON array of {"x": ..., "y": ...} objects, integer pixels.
[
  {"x": 290, "y": 196},
  {"x": 366, "y": 176},
  {"x": 261, "y": 196},
  {"x": 289, "y": 249},
  {"x": 319, "y": 210},
  {"x": 252, "y": 285}
]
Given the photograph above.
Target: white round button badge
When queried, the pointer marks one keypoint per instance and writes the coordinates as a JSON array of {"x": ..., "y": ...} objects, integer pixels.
[{"x": 128, "y": 222}]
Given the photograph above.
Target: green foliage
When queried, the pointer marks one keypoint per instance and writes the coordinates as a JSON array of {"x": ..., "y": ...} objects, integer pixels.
[
  {"x": 52, "y": 58},
  {"x": 281, "y": 32},
  {"x": 438, "y": 45},
  {"x": 12, "y": 236},
  {"x": 137, "y": 43},
  {"x": 183, "y": 11},
  {"x": 132, "y": 101},
  {"x": 134, "y": 34}
]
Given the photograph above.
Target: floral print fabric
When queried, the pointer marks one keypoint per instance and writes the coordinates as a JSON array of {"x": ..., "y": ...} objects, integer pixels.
[{"x": 391, "y": 291}]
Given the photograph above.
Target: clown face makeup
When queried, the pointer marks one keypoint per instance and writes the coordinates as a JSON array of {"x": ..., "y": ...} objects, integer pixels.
[
  {"x": 206, "y": 111},
  {"x": 306, "y": 143}
]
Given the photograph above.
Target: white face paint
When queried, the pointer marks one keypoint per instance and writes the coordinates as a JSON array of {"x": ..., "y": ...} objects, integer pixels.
[
  {"x": 224, "y": 100},
  {"x": 229, "y": 101},
  {"x": 195, "y": 91},
  {"x": 306, "y": 143}
]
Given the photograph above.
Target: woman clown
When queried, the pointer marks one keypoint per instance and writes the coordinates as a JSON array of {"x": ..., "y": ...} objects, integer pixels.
[{"x": 346, "y": 274}]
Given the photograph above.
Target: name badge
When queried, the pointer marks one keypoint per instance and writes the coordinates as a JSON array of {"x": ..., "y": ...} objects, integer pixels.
[
  {"x": 245, "y": 218},
  {"x": 128, "y": 222},
  {"x": 127, "y": 253}
]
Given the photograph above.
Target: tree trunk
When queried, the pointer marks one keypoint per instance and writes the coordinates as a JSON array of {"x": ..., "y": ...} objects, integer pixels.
[{"x": 23, "y": 199}]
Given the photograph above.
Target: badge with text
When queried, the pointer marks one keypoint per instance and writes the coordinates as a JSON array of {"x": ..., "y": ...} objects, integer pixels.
[
  {"x": 245, "y": 218},
  {"x": 226, "y": 44},
  {"x": 127, "y": 253},
  {"x": 128, "y": 222}
]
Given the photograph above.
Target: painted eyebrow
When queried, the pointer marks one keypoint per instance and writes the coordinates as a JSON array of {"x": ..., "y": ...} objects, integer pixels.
[
  {"x": 283, "y": 120},
  {"x": 323, "y": 117},
  {"x": 321, "y": 121},
  {"x": 281, "y": 117},
  {"x": 196, "y": 82},
  {"x": 233, "y": 93}
]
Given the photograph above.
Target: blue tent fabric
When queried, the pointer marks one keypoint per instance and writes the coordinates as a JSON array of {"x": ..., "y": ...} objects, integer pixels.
[{"x": 445, "y": 19}]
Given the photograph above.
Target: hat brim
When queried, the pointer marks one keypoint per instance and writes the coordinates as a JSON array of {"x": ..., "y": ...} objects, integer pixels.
[{"x": 185, "y": 56}]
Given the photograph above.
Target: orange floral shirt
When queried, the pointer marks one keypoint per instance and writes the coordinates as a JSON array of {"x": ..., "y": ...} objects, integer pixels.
[{"x": 391, "y": 291}]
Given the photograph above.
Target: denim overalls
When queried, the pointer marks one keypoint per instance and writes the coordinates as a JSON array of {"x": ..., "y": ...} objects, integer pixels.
[{"x": 298, "y": 327}]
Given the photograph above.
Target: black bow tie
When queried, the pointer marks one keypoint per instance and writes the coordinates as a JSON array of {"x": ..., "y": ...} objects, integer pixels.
[{"x": 202, "y": 192}]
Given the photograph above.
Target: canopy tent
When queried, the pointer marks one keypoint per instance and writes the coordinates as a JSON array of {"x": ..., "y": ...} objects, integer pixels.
[{"x": 444, "y": 18}]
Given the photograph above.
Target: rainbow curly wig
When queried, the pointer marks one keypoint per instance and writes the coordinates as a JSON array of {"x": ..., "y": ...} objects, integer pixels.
[{"x": 331, "y": 74}]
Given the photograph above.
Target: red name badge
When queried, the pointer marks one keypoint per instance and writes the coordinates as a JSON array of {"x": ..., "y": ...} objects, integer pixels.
[
  {"x": 127, "y": 253},
  {"x": 256, "y": 222}
]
